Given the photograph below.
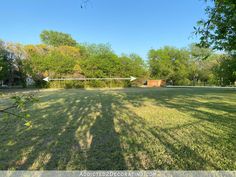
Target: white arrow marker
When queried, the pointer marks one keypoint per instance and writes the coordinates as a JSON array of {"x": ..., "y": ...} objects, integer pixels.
[{"x": 47, "y": 79}]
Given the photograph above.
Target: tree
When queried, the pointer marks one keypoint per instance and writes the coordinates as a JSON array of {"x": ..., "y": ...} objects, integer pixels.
[
  {"x": 54, "y": 61},
  {"x": 200, "y": 65},
  {"x": 199, "y": 53},
  {"x": 160, "y": 63},
  {"x": 99, "y": 61},
  {"x": 20, "y": 103},
  {"x": 88, "y": 50},
  {"x": 56, "y": 39},
  {"x": 226, "y": 71},
  {"x": 219, "y": 30},
  {"x": 169, "y": 63},
  {"x": 4, "y": 65},
  {"x": 138, "y": 66},
  {"x": 11, "y": 68}
]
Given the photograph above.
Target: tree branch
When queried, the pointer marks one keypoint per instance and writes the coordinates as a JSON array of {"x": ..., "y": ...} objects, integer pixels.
[{"x": 4, "y": 110}]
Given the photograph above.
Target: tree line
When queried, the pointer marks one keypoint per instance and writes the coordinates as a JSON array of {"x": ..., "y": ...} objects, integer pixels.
[
  {"x": 60, "y": 55},
  {"x": 192, "y": 66}
]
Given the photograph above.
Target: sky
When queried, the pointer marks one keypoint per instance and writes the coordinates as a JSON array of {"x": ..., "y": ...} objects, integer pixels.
[{"x": 129, "y": 26}]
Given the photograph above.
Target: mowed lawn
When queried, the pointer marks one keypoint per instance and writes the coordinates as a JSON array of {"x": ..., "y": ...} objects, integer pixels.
[{"x": 136, "y": 128}]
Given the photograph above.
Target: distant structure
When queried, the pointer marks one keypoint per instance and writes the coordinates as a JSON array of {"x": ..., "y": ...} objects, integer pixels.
[
  {"x": 30, "y": 81},
  {"x": 156, "y": 83}
]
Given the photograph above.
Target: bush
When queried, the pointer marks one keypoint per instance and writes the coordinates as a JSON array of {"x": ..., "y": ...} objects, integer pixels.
[
  {"x": 183, "y": 82},
  {"x": 87, "y": 84}
]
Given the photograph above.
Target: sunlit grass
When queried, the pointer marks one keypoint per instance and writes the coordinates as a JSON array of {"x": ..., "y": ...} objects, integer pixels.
[{"x": 191, "y": 129}]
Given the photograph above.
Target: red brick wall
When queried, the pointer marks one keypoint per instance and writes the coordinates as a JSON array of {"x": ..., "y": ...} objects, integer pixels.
[{"x": 155, "y": 83}]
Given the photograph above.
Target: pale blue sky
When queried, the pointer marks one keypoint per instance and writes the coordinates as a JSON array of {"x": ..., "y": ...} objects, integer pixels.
[{"x": 129, "y": 26}]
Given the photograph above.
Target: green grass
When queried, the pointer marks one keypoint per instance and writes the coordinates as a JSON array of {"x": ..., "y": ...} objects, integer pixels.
[{"x": 190, "y": 129}]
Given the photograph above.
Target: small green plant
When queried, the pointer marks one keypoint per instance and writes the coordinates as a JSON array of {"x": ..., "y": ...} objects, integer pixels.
[{"x": 20, "y": 103}]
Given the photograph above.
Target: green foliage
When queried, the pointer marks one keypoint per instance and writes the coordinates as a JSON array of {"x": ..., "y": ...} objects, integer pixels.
[
  {"x": 90, "y": 61},
  {"x": 20, "y": 103},
  {"x": 133, "y": 65},
  {"x": 43, "y": 61},
  {"x": 202, "y": 68},
  {"x": 170, "y": 64},
  {"x": 56, "y": 39},
  {"x": 4, "y": 65},
  {"x": 11, "y": 66},
  {"x": 57, "y": 59},
  {"x": 226, "y": 70},
  {"x": 219, "y": 29},
  {"x": 199, "y": 53},
  {"x": 194, "y": 66},
  {"x": 99, "y": 62}
]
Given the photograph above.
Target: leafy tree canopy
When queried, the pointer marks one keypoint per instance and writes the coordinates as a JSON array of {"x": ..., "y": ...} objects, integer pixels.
[
  {"x": 219, "y": 29},
  {"x": 199, "y": 53},
  {"x": 56, "y": 39}
]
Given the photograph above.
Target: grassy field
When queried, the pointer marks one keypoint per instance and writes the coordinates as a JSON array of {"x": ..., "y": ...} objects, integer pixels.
[{"x": 190, "y": 129}]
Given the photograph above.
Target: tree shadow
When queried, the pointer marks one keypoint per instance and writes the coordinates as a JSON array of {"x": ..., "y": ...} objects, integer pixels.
[
  {"x": 105, "y": 152},
  {"x": 71, "y": 130},
  {"x": 176, "y": 154},
  {"x": 213, "y": 126},
  {"x": 97, "y": 130}
]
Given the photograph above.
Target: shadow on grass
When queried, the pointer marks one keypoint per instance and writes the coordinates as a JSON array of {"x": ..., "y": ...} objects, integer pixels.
[
  {"x": 59, "y": 137},
  {"x": 105, "y": 151},
  {"x": 214, "y": 125},
  {"x": 96, "y": 130}
]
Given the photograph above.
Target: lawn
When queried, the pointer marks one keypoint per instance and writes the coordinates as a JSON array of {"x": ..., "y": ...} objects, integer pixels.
[{"x": 136, "y": 128}]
